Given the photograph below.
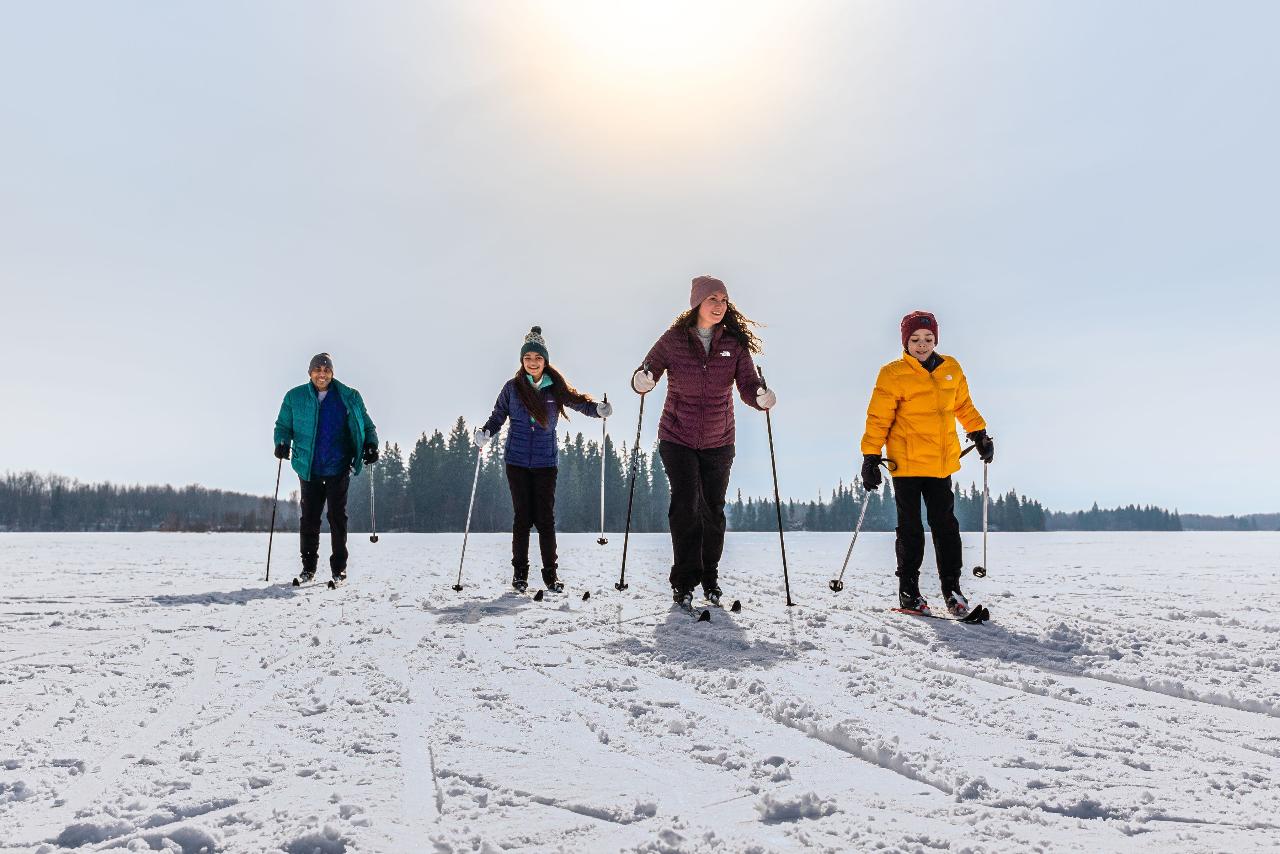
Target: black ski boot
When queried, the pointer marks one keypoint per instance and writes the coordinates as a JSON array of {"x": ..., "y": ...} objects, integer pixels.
[
  {"x": 551, "y": 581},
  {"x": 713, "y": 594},
  {"x": 909, "y": 598},
  {"x": 913, "y": 602},
  {"x": 520, "y": 580},
  {"x": 303, "y": 577},
  {"x": 957, "y": 605},
  {"x": 682, "y": 598}
]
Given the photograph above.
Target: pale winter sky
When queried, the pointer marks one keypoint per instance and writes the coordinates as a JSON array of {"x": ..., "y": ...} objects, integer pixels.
[{"x": 195, "y": 198}]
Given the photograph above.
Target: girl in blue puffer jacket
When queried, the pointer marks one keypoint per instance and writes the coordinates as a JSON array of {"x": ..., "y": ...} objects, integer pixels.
[{"x": 534, "y": 399}]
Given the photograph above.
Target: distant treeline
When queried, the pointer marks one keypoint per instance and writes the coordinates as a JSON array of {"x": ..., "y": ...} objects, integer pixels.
[
  {"x": 430, "y": 492},
  {"x": 33, "y": 502},
  {"x": 1130, "y": 518},
  {"x": 430, "y": 489},
  {"x": 1251, "y": 522}
]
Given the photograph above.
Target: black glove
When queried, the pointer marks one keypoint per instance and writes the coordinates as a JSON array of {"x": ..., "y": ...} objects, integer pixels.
[
  {"x": 282, "y": 451},
  {"x": 871, "y": 477},
  {"x": 986, "y": 447},
  {"x": 370, "y": 454}
]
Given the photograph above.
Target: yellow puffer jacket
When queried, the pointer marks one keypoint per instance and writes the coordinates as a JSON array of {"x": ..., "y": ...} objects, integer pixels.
[{"x": 913, "y": 414}]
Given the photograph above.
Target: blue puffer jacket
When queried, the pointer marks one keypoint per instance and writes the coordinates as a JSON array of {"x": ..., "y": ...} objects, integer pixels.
[{"x": 529, "y": 444}]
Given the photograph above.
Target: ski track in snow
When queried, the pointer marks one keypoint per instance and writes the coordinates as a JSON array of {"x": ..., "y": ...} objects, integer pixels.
[{"x": 157, "y": 695}]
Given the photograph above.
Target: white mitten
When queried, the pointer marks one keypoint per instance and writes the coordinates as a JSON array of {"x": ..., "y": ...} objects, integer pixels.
[{"x": 642, "y": 382}]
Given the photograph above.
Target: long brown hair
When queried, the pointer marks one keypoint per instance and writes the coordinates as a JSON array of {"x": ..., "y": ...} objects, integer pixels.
[
  {"x": 735, "y": 323},
  {"x": 561, "y": 392}
]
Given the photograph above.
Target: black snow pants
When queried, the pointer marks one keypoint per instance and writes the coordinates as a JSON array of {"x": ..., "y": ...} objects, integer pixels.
[
  {"x": 939, "y": 502},
  {"x": 316, "y": 493},
  {"x": 699, "y": 481},
  {"x": 533, "y": 498}
]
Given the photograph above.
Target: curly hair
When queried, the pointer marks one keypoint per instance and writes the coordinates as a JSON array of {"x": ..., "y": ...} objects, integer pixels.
[{"x": 735, "y": 323}]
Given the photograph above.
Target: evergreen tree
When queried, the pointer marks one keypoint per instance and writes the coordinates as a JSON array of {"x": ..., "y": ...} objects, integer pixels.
[{"x": 427, "y": 486}]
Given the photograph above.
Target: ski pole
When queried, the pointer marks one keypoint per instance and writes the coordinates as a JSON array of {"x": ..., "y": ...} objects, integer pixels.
[
  {"x": 980, "y": 571},
  {"x": 470, "y": 504},
  {"x": 777, "y": 500},
  {"x": 631, "y": 492},
  {"x": 604, "y": 438},
  {"x": 275, "y": 502},
  {"x": 837, "y": 584},
  {"x": 373, "y": 518}
]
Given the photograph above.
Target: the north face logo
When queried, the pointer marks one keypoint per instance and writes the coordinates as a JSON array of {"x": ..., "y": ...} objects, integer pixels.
[{"x": 726, "y": 352}]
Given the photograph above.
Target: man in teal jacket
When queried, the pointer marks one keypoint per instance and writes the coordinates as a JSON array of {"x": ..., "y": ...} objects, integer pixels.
[{"x": 332, "y": 436}]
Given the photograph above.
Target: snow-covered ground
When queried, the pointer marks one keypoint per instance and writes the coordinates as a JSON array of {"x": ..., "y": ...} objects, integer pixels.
[{"x": 156, "y": 694}]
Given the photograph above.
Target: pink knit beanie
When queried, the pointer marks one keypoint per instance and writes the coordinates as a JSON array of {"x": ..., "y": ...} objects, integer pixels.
[{"x": 703, "y": 287}]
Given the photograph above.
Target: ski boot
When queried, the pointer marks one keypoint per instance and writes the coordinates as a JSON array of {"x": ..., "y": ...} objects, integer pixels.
[
  {"x": 304, "y": 576},
  {"x": 520, "y": 580},
  {"x": 957, "y": 605},
  {"x": 682, "y": 598},
  {"x": 551, "y": 581},
  {"x": 911, "y": 600},
  {"x": 713, "y": 594}
]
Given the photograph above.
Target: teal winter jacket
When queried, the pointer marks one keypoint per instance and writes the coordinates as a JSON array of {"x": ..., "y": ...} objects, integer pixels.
[{"x": 300, "y": 415}]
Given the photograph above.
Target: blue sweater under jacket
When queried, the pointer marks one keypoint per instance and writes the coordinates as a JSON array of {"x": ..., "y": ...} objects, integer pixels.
[{"x": 333, "y": 445}]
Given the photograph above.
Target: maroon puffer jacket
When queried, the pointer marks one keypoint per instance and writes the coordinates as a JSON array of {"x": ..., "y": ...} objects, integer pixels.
[{"x": 699, "y": 408}]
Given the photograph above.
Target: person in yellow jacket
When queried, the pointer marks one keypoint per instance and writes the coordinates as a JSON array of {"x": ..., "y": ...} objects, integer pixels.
[{"x": 912, "y": 418}]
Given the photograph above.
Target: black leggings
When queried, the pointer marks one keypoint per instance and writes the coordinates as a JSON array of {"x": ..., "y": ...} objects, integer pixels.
[
  {"x": 533, "y": 497},
  {"x": 699, "y": 481},
  {"x": 939, "y": 502}
]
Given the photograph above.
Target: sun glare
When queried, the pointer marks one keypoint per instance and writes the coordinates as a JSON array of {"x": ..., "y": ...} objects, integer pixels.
[
  {"x": 634, "y": 78},
  {"x": 657, "y": 38}
]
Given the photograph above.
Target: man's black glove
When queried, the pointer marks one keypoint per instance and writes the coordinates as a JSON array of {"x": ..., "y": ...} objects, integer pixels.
[
  {"x": 986, "y": 447},
  {"x": 282, "y": 451},
  {"x": 370, "y": 454},
  {"x": 871, "y": 476}
]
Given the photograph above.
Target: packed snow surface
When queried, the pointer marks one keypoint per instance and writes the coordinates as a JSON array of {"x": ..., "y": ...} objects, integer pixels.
[{"x": 157, "y": 695}]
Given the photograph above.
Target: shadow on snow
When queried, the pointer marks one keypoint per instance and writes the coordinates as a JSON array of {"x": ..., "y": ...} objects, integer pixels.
[
  {"x": 229, "y": 597},
  {"x": 473, "y": 612},
  {"x": 721, "y": 644}
]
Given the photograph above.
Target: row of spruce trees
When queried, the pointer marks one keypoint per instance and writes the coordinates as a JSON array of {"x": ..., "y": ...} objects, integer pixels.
[
  {"x": 430, "y": 489},
  {"x": 34, "y": 502}
]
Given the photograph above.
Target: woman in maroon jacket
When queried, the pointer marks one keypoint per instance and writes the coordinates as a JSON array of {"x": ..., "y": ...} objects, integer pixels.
[{"x": 705, "y": 353}]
